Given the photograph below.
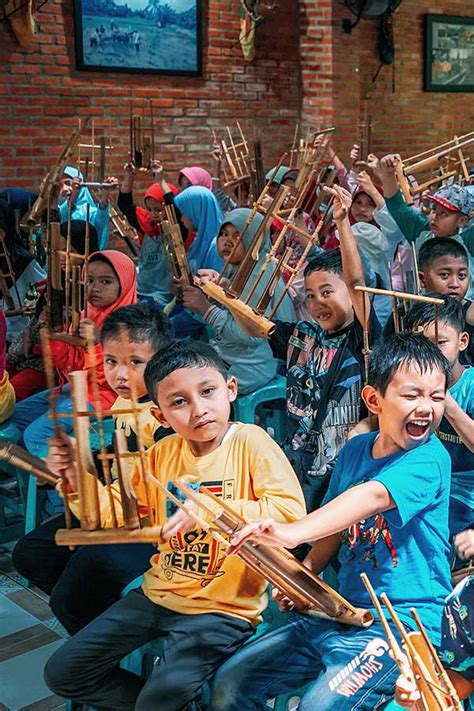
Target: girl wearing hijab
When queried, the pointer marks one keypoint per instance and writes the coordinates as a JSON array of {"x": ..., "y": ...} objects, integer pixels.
[
  {"x": 111, "y": 284},
  {"x": 194, "y": 175},
  {"x": 250, "y": 359},
  {"x": 77, "y": 198},
  {"x": 25, "y": 363},
  {"x": 25, "y": 268}
]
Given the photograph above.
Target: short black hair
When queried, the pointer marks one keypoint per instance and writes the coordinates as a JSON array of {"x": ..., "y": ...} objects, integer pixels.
[
  {"x": 142, "y": 322},
  {"x": 401, "y": 350},
  {"x": 450, "y": 312},
  {"x": 437, "y": 247},
  {"x": 181, "y": 354},
  {"x": 328, "y": 261}
]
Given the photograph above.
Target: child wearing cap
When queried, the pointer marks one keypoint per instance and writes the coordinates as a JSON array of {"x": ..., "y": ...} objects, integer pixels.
[{"x": 453, "y": 207}]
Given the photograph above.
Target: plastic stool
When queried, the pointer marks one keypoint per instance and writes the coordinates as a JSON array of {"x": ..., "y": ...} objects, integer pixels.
[
  {"x": 10, "y": 531},
  {"x": 245, "y": 406}
]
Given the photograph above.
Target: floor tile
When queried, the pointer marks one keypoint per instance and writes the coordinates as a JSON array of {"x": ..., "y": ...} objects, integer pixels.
[
  {"x": 56, "y": 626},
  {"x": 31, "y": 603},
  {"x": 15, "y": 694},
  {"x": 8, "y": 585},
  {"x": 48, "y": 704},
  {"x": 41, "y": 636},
  {"x": 14, "y": 618}
]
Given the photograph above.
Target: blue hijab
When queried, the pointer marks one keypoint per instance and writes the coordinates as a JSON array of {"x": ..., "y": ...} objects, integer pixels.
[
  {"x": 202, "y": 208},
  {"x": 98, "y": 218}
]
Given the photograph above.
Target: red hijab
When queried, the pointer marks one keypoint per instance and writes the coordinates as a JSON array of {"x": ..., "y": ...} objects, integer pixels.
[
  {"x": 127, "y": 275},
  {"x": 147, "y": 225}
]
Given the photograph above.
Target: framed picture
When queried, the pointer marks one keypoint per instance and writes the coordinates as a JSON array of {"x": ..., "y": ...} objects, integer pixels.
[
  {"x": 145, "y": 36},
  {"x": 449, "y": 53}
]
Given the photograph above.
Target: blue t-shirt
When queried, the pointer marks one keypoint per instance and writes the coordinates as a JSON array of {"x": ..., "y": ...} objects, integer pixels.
[
  {"x": 404, "y": 551},
  {"x": 461, "y": 509}
]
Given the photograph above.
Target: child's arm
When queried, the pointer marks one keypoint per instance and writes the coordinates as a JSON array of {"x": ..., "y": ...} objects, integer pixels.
[
  {"x": 355, "y": 504},
  {"x": 460, "y": 421},
  {"x": 410, "y": 221},
  {"x": 352, "y": 269}
]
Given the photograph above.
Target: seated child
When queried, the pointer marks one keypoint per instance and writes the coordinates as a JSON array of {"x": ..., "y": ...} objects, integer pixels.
[
  {"x": 73, "y": 201},
  {"x": 85, "y": 581},
  {"x": 25, "y": 363},
  {"x": 385, "y": 514},
  {"x": 7, "y": 393},
  {"x": 456, "y": 430},
  {"x": 111, "y": 284},
  {"x": 452, "y": 208},
  {"x": 444, "y": 268},
  {"x": 250, "y": 359},
  {"x": 202, "y": 602},
  {"x": 324, "y": 359}
]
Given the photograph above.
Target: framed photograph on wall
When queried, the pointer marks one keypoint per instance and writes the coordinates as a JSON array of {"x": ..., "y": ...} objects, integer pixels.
[
  {"x": 449, "y": 53},
  {"x": 144, "y": 36}
]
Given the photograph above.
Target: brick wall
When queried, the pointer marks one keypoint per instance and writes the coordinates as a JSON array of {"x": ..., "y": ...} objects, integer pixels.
[
  {"x": 42, "y": 95},
  {"x": 338, "y": 71}
]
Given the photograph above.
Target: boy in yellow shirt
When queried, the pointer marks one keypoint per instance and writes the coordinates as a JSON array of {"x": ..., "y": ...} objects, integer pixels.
[{"x": 203, "y": 603}]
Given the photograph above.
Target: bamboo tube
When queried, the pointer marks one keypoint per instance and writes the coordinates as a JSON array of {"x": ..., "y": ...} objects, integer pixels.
[
  {"x": 400, "y": 295},
  {"x": 441, "y": 146},
  {"x": 78, "y": 537},
  {"x": 236, "y": 307},
  {"x": 131, "y": 518},
  {"x": 87, "y": 484}
]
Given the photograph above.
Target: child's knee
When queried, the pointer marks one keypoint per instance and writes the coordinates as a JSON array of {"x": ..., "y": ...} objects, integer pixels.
[
  {"x": 21, "y": 558},
  {"x": 60, "y": 677}
]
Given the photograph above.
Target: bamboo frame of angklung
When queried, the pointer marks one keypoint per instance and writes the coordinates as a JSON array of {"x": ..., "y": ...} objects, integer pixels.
[
  {"x": 84, "y": 162},
  {"x": 230, "y": 294},
  {"x": 134, "y": 528},
  {"x": 52, "y": 178},
  {"x": 142, "y": 138},
  {"x": 447, "y": 160},
  {"x": 67, "y": 303},
  {"x": 173, "y": 245},
  {"x": 123, "y": 227},
  {"x": 9, "y": 274},
  {"x": 418, "y": 662},
  {"x": 236, "y": 161},
  {"x": 395, "y": 296},
  {"x": 277, "y": 565}
]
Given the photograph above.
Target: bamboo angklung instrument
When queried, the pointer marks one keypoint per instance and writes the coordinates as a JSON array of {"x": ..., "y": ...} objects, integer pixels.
[
  {"x": 395, "y": 295},
  {"x": 434, "y": 166},
  {"x": 51, "y": 181},
  {"x": 418, "y": 662},
  {"x": 277, "y": 565},
  {"x": 123, "y": 227},
  {"x": 142, "y": 139},
  {"x": 236, "y": 164},
  {"x": 174, "y": 248},
  {"x": 9, "y": 273}
]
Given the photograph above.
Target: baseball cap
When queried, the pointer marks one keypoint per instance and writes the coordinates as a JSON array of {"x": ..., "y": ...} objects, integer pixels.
[{"x": 454, "y": 198}]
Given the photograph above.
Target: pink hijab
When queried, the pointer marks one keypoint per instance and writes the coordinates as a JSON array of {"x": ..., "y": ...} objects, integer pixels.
[{"x": 197, "y": 176}]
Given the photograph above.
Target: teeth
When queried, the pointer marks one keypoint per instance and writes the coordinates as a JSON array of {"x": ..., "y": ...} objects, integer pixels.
[{"x": 421, "y": 423}]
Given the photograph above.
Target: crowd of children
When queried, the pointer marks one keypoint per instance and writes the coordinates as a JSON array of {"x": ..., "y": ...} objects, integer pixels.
[{"x": 376, "y": 474}]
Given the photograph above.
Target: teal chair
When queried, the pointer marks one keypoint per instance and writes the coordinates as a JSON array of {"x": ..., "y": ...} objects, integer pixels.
[
  {"x": 12, "y": 508},
  {"x": 245, "y": 407}
]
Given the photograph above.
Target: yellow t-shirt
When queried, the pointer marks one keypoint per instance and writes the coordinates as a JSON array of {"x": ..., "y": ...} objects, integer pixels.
[
  {"x": 7, "y": 398},
  {"x": 148, "y": 425},
  {"x": 190, "y": 574}
]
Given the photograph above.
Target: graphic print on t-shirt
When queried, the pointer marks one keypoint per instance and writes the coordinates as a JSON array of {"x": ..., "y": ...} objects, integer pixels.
[{"x": 362, "y": 539}]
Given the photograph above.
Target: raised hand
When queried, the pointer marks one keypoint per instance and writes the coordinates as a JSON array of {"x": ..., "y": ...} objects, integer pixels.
[
  {"x": 157, "y": 170},
  {"x": 61, "y": 459},
  {"x": 464, "y": 544},
  {"x": 88, "y": 330},
  {"x": 342, "y": 201},
  {"x": 194, "y": 299},
  {"x": 388, "y": 164}
]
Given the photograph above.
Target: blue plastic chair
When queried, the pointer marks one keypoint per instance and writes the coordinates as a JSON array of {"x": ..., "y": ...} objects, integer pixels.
[
  {"x": 246, "y": 405},
  {"x": 11, "y": 526}
]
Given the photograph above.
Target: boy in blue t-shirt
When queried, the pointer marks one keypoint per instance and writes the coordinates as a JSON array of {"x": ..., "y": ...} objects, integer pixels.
[
  {"x": 389, "y": 496},
  {"x": 456, "y": 430}
]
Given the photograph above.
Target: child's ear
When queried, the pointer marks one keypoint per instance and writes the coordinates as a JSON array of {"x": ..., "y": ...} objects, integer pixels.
[
  {"x": 463, "y": 340},
  {"x": 371, "y": 397},
  {"x": 462, "y": 221},
  {"x": 421, "y": 277},
  {"x": 232, "y": 388},
  {"x": 158, "y": 415}
]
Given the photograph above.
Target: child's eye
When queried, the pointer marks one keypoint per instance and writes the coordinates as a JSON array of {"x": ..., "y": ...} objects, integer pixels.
[
  {"x": 136, "y": 361},
  {"x": 110, "y": 361},
  {"x": 178, "y": 402},
  {"x": 208, "y": 391},
  {"x": 326, "y": 293}
]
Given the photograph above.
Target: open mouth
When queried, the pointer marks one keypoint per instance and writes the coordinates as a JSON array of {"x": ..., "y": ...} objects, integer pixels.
[
  {"x": 323, "y": 316},
  {"x": 417, "y": 428}
]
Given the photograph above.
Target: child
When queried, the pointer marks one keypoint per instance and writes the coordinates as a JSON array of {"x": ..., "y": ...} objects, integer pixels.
[
  {"x": 389, "y": 497},
  {"x": 444, "y": 268},
  {"x": 7, "y": 393},
  {"x": 204, "y": 603},
  {"x": 85, "y": 581},
  {"x": 25, "y": 364},
  {"x": 153, "y": 280},
  {"x": 456, "y": 430},
  {"x": 111, "y": 284},
  {"x": 250, "y": 359},
  {"x": 452, "y": 209},
  {"x": 324, "y": 359},
  {"x": 194, "y": 175},
  {"x": 26, "y": 270},
  {"x": 73, "y": 201}
]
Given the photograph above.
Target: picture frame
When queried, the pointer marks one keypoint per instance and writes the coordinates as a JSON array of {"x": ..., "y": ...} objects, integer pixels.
[
  {"x": 449, "y": 53},
  {"x": 139, "y": 36}
]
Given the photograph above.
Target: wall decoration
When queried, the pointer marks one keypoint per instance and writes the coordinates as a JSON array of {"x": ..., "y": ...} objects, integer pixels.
[
  {"x": 144, "y": 36},
  {"x": 449, "y": 53}
]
